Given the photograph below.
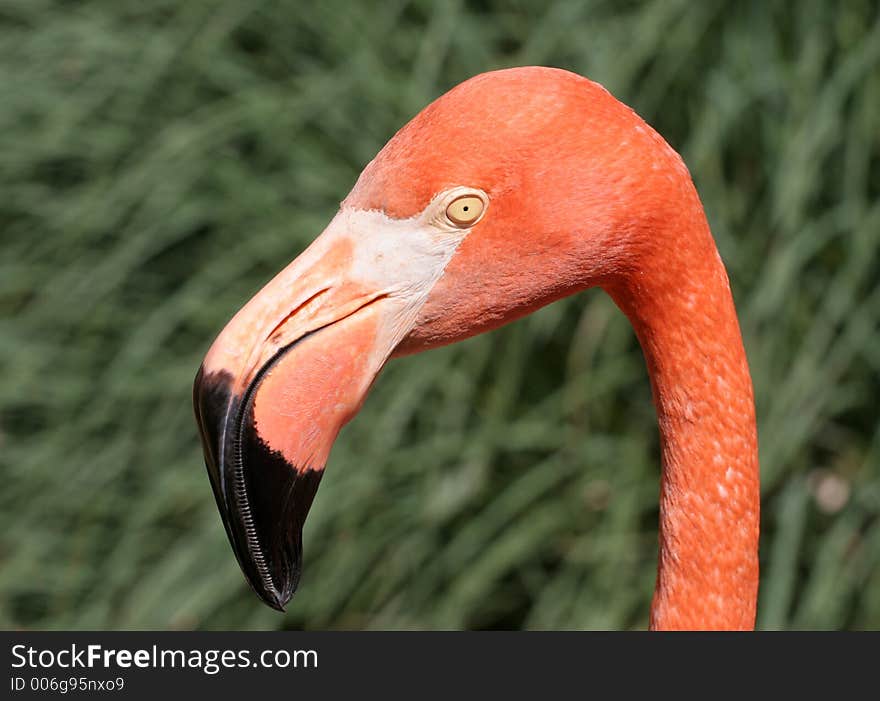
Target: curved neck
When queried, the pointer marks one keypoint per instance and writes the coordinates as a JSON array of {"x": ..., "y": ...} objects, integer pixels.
[{"x": 683, "y": 314}]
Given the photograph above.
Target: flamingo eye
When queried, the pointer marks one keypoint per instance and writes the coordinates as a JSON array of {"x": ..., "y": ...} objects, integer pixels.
[{"x": 465, "y": 210}]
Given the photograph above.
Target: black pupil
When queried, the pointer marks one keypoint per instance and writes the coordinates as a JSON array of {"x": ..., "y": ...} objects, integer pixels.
[{"x": 465, "y": 208}]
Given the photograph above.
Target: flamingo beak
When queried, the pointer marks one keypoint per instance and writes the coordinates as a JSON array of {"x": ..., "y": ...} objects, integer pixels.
[{"x": 289, "y": 370}]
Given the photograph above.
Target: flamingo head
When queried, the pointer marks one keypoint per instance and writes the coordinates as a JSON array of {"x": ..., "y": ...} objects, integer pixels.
[{"x": 512, "y": 190}]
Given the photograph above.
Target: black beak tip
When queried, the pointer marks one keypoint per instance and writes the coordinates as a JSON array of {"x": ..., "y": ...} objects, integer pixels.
[
  {"x": 272, "y": 600},
  {"x": 263, "y": 500},
  {"x": 276, "y": 585}
]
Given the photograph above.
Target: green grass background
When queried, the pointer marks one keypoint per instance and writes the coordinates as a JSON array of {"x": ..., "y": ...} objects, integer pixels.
[{"x": 160, "y": 160}]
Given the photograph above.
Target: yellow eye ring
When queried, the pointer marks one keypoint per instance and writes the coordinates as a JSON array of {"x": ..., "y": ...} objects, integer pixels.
[{"x": 465, "y": 210}]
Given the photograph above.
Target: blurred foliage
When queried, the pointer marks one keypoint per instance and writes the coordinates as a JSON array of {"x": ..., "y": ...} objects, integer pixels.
[{"x": 160, "y": 160}]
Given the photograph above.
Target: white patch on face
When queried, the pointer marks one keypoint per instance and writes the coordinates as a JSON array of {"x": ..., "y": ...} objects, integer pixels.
[
  {"x": 401, "y": 259},
  {"x": 361, "y": 257}
]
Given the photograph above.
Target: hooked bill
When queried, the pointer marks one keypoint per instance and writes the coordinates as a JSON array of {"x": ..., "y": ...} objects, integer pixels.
[{"x": 266, "y": 446}]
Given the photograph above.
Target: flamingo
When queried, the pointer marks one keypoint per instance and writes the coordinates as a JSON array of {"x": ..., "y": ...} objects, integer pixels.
[{"x": 514, "y": 189}]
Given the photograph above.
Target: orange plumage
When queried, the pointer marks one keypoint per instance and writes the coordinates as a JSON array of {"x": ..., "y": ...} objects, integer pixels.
[{"x": 579, "y": 192}]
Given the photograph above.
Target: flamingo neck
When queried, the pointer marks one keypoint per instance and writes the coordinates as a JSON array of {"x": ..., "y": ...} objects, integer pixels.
[{"x": 683, "y": 314}]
